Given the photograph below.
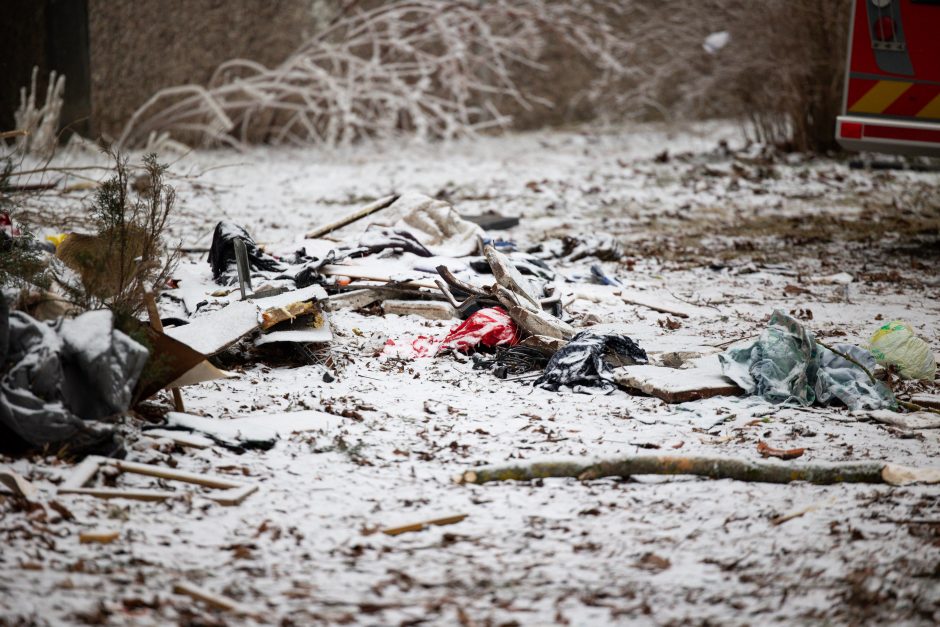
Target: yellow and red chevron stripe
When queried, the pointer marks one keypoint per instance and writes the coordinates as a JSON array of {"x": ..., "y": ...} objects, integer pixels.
[{"x": 895, "y": 98}]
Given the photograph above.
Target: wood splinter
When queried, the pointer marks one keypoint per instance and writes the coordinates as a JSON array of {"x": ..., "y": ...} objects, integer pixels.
[
  {"x": 276, "y": 315},
  {"x": 421, "y": 526},
  {"x": 211, "y": 598}
]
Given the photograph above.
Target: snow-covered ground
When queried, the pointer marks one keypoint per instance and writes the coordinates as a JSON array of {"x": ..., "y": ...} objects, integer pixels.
[{"x": 730, "y": 232}]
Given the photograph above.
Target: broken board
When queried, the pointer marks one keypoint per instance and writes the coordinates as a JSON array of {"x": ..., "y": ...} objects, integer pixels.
[
  {"x": 915, "y": 420},
  {"x": 230, "y": 492},
  {"x": 214, "y": 332},
  {"x": 675, "y": 386},
  {"x": 927, "y": 400},
  {"x": 260, "y": 431}
]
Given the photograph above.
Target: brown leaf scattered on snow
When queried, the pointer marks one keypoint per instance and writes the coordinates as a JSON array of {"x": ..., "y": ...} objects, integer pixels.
[{"x": 653, "y": 562}]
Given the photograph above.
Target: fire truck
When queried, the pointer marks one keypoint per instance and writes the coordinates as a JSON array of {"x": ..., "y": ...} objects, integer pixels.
[{"x": 892, "y": 79}]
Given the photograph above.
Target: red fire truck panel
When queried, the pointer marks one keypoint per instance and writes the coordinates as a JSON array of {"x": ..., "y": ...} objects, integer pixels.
[{"x": 892, "y": 84}]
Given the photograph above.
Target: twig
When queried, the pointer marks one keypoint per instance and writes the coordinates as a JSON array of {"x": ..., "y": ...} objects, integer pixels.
[
  {"x": 915, "y": 407},
  {"x": 871, "y": 377}
]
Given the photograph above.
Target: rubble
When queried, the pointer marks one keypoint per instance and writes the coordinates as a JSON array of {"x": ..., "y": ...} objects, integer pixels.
[{"x": 366, "y": 361}]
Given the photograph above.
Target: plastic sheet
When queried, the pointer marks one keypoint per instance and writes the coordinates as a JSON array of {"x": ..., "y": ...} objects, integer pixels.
[
  {"x": 57, "y": 377},
  {"x": 489, "y": 327},
  {"x": 895, "y": 344}
]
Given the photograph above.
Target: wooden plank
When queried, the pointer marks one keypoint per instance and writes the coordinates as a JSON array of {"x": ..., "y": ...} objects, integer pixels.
[
  {"x": 214, "y": 332},
  {"x": 371, "y": 273},
  {"x": 429, "y": 309},
  {"x": 356, "y": 299},
  {"x": 927, "y": 400},
  {"x": 18, "y": 484},
  {"x": 82, "y": 473},
  {"x": 98, "y": 537},
  {"x": 675, "y": 386},
  {"x": 234, "y": 496}
]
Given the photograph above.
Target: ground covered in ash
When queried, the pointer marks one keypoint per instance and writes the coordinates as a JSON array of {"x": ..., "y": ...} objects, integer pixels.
[{"x": 730, "y": 232}]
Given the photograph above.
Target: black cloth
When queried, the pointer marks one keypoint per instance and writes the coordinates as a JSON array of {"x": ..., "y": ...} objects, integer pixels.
[
  {"x": 586, "y": 360},
  {"x": 222, "y": 251}
]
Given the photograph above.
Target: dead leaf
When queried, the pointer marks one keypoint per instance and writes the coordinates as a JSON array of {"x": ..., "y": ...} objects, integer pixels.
[
  {"x": 653, "y": 562},
  {"x": 767, "y": 451}
]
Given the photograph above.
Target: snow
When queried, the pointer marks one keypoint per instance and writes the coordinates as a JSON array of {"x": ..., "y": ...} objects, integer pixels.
[{"x": 724, "y": 245}]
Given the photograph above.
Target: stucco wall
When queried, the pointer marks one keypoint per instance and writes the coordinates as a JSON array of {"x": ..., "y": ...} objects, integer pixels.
[{"x": 140, "y": 46}]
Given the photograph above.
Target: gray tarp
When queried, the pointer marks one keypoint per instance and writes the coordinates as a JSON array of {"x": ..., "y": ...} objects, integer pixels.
[
  {"x": 787, "y": 365},
  {"x": 57, "y": 379}
]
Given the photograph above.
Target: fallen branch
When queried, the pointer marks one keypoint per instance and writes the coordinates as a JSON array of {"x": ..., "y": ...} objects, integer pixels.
[{"x": 712, "y": 467}]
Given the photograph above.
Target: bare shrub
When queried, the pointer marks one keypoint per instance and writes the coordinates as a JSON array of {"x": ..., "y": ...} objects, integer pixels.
[
  {"x": 781, "y": 73},
  {"x": 787, "y": 72},
  {"x": 127, "y": 255},
  {"x": 428, "y": 68},
  {"x": 40, "y": 124}
]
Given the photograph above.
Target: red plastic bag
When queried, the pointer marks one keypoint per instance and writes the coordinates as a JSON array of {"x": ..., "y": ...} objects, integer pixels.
[{"x": 489, "y": 327}]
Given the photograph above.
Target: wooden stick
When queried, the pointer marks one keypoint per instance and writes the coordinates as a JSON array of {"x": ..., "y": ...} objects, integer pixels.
[
  {"x": 98, "y": 537},
  {"x": 366, "y": 211},
  {"x": 850, "y": 359},
  {"x": 367, "y": 274},
  {"x": 232, "y": 492},
  {"x": 157, "y": 325},
  {"x": 18, "y": 484},
  {"x": 32, "y": 187},
  {"x": 174, "y": 475},
  {"x": 631, "y": 299},
  {"x": 11, "y": 134},
  {"x": 213, "y": 599},
  {"x": 713, "y": 467},
  {"x": 121, "y": 493},
  {"x": 420, "y": 526}
]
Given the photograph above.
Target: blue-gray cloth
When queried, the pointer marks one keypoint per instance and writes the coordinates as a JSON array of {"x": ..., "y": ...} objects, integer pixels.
[{"x": 786, "y": 365}]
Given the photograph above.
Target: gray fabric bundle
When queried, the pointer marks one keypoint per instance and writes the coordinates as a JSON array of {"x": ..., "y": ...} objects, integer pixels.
[{"x": 57, "y": 379}]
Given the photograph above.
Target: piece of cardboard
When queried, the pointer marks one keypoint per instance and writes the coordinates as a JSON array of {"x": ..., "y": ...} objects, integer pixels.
[{"x": 172, "y": 364}]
